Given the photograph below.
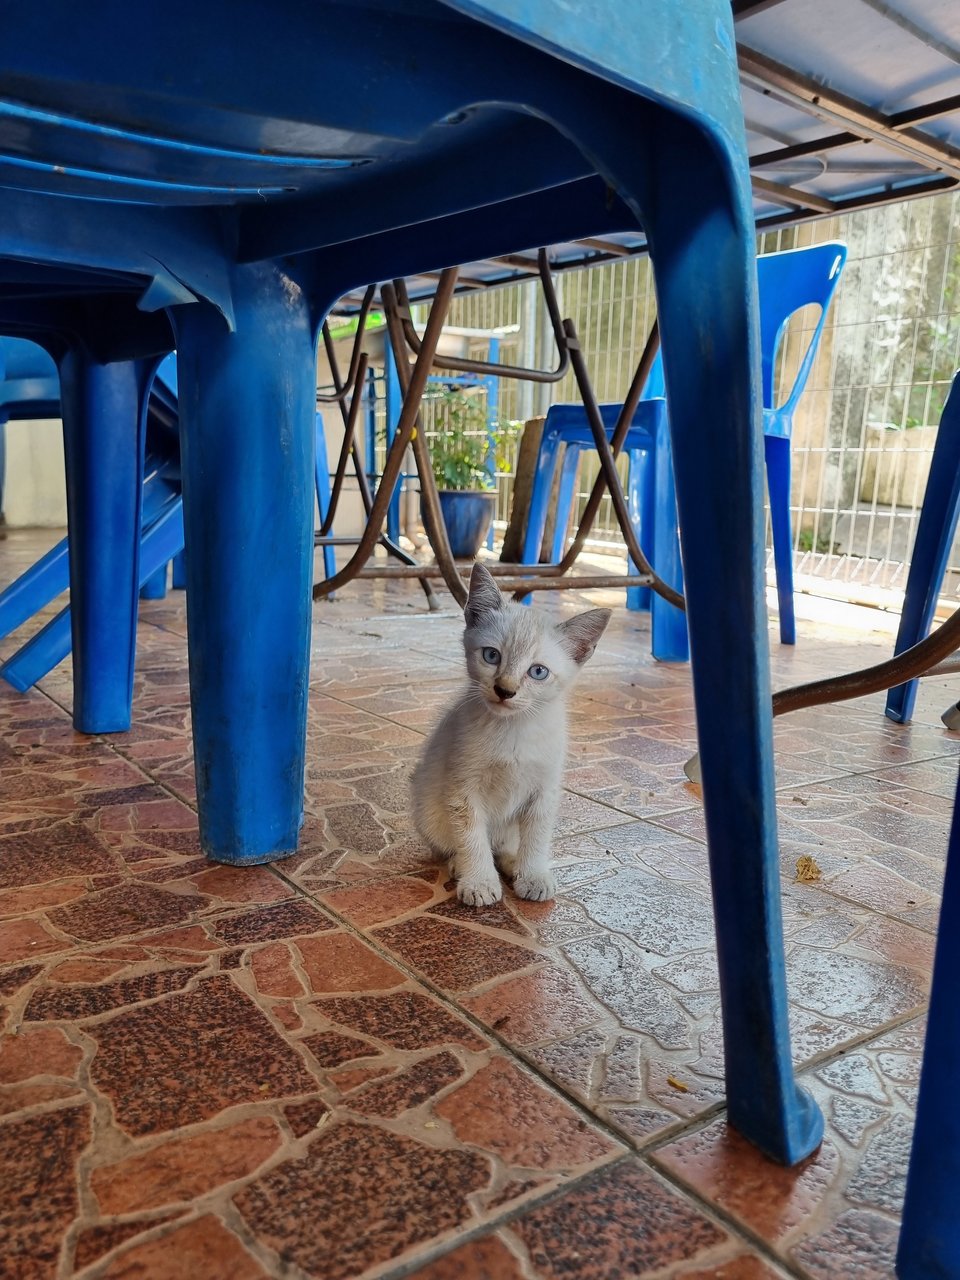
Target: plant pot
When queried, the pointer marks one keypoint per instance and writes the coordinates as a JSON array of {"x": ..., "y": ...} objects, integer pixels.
[
  {"x": 468, "y": 515},
  {"x": 896, "y": 463}
]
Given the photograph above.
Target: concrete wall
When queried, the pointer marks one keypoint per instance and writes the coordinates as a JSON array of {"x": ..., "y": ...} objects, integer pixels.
[{"x": 34, "y": 491}]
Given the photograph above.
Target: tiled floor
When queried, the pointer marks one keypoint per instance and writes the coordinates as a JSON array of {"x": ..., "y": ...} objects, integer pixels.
[{"x": 329, "y": 1068}]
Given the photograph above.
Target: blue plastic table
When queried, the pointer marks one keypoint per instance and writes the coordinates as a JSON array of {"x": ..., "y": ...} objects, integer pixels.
[{"x": 214, "y": 177}]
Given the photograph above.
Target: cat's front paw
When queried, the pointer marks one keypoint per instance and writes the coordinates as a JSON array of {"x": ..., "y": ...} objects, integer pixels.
[
  {"x": 479, "y": 893},
  {"x": 536, "y": 886}
]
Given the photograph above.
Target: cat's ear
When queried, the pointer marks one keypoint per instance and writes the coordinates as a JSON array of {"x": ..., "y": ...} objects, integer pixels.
[
  {"x": 579, "y": 635},
  {"x": 484, "y": 597}
]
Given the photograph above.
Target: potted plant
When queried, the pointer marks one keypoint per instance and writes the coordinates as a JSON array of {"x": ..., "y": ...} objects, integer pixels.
[{"x": 466, "y": 453}]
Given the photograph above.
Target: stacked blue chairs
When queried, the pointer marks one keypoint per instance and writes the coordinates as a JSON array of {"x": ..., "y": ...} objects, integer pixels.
[
  {"x": 227, "y": 203},
  {"x": 30, "y": 388},
  {"x": 787, "y": 282}
]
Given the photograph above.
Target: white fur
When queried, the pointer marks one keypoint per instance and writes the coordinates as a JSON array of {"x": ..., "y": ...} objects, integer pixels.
[{"x": 488, "y": 784}]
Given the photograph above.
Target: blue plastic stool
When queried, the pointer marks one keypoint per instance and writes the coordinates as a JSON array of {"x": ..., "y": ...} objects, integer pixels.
[
  {"x": 787, "y": 282},
  {"x": 936, "y": 529}
]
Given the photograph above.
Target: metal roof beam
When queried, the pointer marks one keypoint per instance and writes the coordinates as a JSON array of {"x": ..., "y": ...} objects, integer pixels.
[{"x": 762, "y": 73}]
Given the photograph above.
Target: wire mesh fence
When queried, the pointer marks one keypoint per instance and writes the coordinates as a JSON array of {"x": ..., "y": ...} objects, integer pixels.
[{"x": 866, "y": 425}]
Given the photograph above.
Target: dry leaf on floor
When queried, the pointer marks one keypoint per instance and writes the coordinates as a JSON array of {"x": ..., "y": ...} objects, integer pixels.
[{"x": 807, "y": 870}]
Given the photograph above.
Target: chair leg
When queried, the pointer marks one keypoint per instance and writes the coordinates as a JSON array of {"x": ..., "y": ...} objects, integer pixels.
[
  {"x": 34, "y": 589},
  {"x": 930, "y": 1233},
  {"x": 162, "y": 534},
  {"x": 155, "y": 587},
  {"x": 641, "y": 497},
  {"x": 103, "y": 432},
  {"x": 322, "y": 478},
  {"x": 700, "y": 225},
  {"x": 539, "y": 502},
  {"x": 247, "y": 409},
  {"x": 935, "y": 532},
  {"x": 671, "y": 642},
  {"x": 566, "y": 495},
  {"x": 179, "y": 572},
  {"x": 715, "y": 420},
  {"x": 777, "y": 453}
]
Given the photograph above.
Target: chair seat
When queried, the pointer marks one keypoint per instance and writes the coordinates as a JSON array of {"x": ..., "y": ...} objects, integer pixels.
[{"x": 787, "y": 281}]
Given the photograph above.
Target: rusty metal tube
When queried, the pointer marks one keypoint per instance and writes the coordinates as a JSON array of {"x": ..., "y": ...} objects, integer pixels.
[
  {"x": 341, "y": 388},
  {"x": 405, "y": 428},
  {"x": 346, "y": 447},
  {"x": 609, "y": 468},
  {"x": 433, "y": 521},
  {"x": 485, "y": 366}
]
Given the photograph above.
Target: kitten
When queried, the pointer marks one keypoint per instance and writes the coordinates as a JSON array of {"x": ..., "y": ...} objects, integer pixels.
[{"x": 488, "y": 784}]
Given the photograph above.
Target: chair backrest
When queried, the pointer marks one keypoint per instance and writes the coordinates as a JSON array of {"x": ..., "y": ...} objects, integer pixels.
[{"x": 787, "y": 282}]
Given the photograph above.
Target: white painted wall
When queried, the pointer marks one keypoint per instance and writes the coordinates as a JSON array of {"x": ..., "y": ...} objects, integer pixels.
[{"x": 34, "y": 492}]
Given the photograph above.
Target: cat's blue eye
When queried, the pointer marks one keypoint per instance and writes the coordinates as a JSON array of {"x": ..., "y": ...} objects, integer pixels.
[
  {"x": 538, "y": 671},
  {"x": 491, "y": 655}
]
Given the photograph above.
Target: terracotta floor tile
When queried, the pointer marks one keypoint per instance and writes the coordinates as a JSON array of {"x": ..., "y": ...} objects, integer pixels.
[
  {"x": 273, "y": 971},
  {"x": 24, "y": 939},
  {"x": 213, "y": 1012},
  {"x": 536, "y": 1006},
  {"x": 127, "y": 909},
  {"x": 16, "y": 902},
  {"x": 31, "y": 1097},
  {"x": 212, "y": 1048},
  {"x": 504, "y": 1109},
  {"x": 485, "y": 1259},
  {"x": 267, "y": 923},
  {"x": 204, "y": 1247},
  {"x": 36, "y": 1051},
  {"x": 455, "y": 958},
  {"x": 242, "y": 884},
  {"x": 95, "y": 1242},
  {"x": 359, "y": 1198},
  {"x": 38, "y": 1188},
  {"x": 835, "y": 1214},
  {"x": 410, "y": 1087},
  {"x": 335, "y": 962},
  {"x": 379, "y": 901},
  {"x": 304, "y": 1117},
  {"x": 183, "y": 1169},
  {"x": 403, "y": 1020},
  {"x": 62, "y": 1003},
  {"x": 621, "y": 1222}
]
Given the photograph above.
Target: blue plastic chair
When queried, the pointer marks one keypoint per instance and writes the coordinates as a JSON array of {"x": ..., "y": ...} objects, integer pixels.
[
  {"x": 787, "y": 282},
  {"x": 936, "y": 530},
  {"x": 228, "y": 203}
]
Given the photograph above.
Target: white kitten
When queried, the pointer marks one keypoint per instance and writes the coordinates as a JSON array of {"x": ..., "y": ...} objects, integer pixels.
[{"x": 488, "y": 784}]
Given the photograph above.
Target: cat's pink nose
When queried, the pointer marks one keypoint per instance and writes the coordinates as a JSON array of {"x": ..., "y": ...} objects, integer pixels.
[{"x": 502, "y": 693}]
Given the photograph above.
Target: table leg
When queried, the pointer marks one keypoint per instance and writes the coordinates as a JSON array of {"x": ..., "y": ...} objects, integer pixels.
[
  {"x": 103, "y": 407},
  {"x": 247, "y": 404}
]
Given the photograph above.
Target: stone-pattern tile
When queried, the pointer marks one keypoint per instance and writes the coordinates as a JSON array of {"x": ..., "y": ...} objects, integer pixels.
[
  {"x": 38, "y": 1188},
  {"x": 835, "y": 1215},
  {"x": 623, "y": 1222},
  {"x": 211, "y": 1070},
  {"x": 211, "y": 1047}
]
